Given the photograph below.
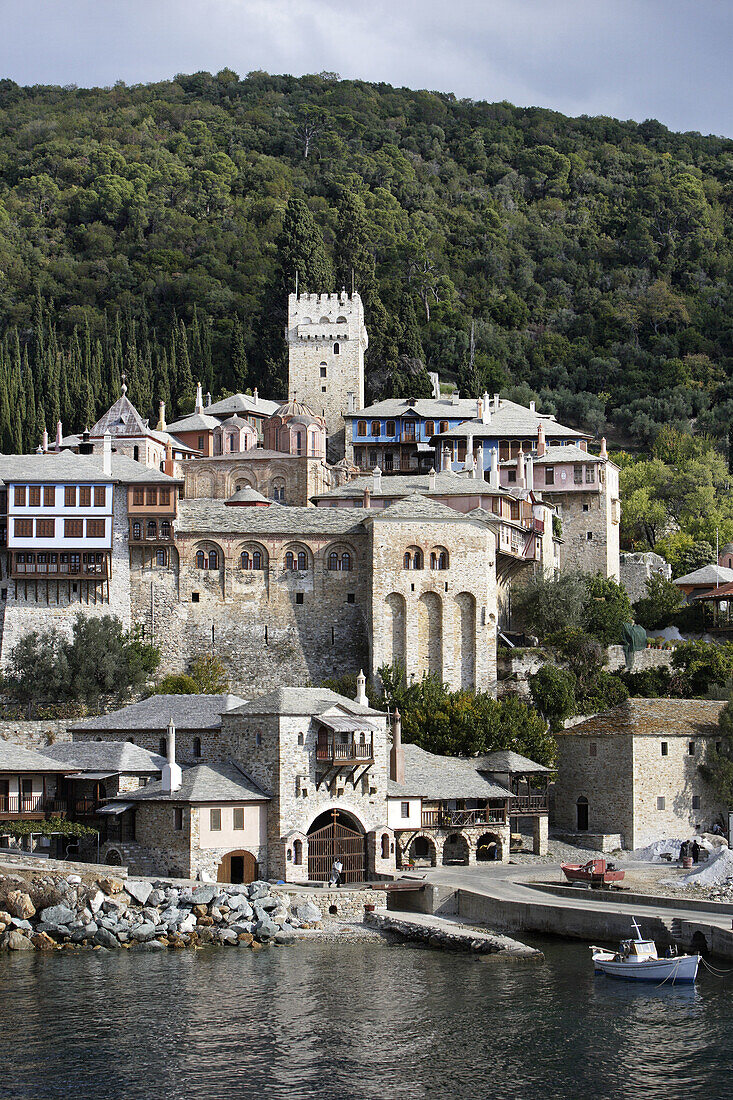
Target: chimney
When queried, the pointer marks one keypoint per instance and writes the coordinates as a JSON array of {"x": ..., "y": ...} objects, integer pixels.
[
  {"x": 455, "y": 397},
  {"x": 168, "y": 464},
  {"x": 529, "y": 472},
  {"x": 361, "y": 695},
  {"x": 161, "y": 426},
  {"x": 494, "y": 475},
  {"x": 397, "y": 753},
  {"x": 445, "y": 465},
  {"x": 172, "y": 775},
  {"x": 85, "y": 447},
  {"x": 532, "y": 407},
  {"x": 199, "y": 399},
  {"x": 44, "y": 444},
  {"x": 604, "y": 451},
  {"x": 256, "y": 396},
  {"x": 367, "y": 497},
  {"x": 350, "y": 402},
  {"x": 540, "y": 439},
  {"x": 107, "y": 454},
  {"x": 433, "y": 480},
  {"x": 497, "y": 401},
  {"x": 520, "y": 470},
  {"x": 480, "y": 462},
  {"x": 208, "y": 399},
  {"x": 59, "y": 436},
  {"x": 479, "y": 408},
  {"x": 485, "y": 409},
  {"x": 376, "y": 481}
]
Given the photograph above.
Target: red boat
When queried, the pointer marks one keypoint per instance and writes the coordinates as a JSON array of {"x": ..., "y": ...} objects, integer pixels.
[{"x": 596, "y": 872}]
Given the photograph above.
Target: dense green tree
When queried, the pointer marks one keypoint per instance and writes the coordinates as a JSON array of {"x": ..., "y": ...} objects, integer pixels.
[{"x": 658, "y": 607}]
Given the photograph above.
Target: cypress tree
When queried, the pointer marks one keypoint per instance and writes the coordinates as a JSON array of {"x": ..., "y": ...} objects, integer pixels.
[{"x": 239, "y": 372}]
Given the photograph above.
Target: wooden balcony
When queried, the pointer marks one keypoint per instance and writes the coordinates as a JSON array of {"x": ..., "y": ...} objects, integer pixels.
[
  {"x": 30, "y": 806},
  {"x": 56, "y": 566},
  {"x": 456, "y": 819},
  {"x": 528, "y": 804},
  {"x": 146, "y": 532},
  {"x": 345, "y": 749}
]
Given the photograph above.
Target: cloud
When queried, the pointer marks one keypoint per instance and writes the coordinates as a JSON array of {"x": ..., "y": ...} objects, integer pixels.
[{"x": 628, "y": 58}]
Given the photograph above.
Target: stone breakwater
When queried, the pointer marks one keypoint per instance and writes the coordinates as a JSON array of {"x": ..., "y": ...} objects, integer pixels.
[
  {"x": 449, "y": 935},
  {"x": 66, "y": 912}
]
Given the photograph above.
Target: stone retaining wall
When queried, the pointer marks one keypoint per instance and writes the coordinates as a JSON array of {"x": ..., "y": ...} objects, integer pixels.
[{"x": 347, "y": 903}]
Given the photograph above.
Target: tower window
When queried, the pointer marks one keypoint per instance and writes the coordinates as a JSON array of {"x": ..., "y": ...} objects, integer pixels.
[
  {"x": 323, "y": 372},
  {"x": 336, "y": 349},
  {"x": 298, "y": 597}
]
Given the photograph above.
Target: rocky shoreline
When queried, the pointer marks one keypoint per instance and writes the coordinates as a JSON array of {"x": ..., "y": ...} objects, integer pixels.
[{"x": 54, "y": 913}]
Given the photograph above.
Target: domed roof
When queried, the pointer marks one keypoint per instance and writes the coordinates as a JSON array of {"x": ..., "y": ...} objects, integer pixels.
[
  {"x": 235, "y": 421},
  {"x": 297, "y": 412}
]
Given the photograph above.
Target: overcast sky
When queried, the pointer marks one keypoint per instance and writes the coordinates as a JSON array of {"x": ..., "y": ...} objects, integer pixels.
[{"x": 664, "y": 59}]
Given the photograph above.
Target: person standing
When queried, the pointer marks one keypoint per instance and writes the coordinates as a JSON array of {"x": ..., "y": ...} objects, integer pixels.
[{"x": 336, "y": 872}]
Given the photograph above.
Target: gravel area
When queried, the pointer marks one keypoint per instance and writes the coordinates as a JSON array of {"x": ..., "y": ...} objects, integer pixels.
[{"x": 558, "y": 852}]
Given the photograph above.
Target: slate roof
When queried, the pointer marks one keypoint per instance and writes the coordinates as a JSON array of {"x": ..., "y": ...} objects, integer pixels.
[
  {"x": 424, "y": 407},
  {"x": 513, "y": 420},
  {"x": 202, "y": 783},
  {"x": 652, "y": 718},
  {"x": 303, "y": 700},
  {"x": 128, "y": 472},
  {"x": 121, "y": 419},
  {"x": 508, "y": 762},
  {"x": 250, "y": 496},
  {"x": 207, "y": 516},
  {"x": 113, "y": 756},
  {"x": 196, "y": 422},
  {"x": 250, "y": 454},
  {"x": 709, "y": 574},
  {"x": 442, "y": 777},
  {"x": 55, "y": 466},
  {"x": 241, "y": 402},
  {"x": 189, "y": 712},
  {"x": 570, "y": 453},
  {"x": 13, "y": 758},
  {"x": 447, "y": 483},
  {"x": 414, "y": 506}
]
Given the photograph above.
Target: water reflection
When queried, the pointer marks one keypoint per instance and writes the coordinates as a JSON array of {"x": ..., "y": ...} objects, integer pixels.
[{"x": 354, "y": 1020}]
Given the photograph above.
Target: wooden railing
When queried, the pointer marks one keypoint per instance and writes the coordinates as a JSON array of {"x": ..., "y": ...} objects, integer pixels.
[
  {"x": 31, "y": 804},
  {"x": 456, "y": 819},
  {"x": 349, "y": 750},
  {"x": 529, "y": 803},
  {"x": 59, "y": 569}
]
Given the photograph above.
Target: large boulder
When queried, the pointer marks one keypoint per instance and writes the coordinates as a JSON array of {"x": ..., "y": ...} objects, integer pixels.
[
  {"x": 105, "y": 938},
  {"x": 43, "y": 942},
  {"x": 111, "y": 886},
  {"x": 20, "y": 905},
  {"x": 204, "y": 895},
  {"x": 17, "y": 941},
  {"x": 138, "y": 890},
  {"x": 94, "y": 904},
  {"x": 157, "y": 897},
  {"x": 58, "y": 914},
  {"x": 305, "y": 910},
  {"x": 265, "y": 930},
  {"x": 144, "y": 932}
]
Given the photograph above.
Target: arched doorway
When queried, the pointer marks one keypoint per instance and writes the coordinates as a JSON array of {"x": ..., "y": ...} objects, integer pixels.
[
  {"x": 581, "y": 807},
  {"x": 237, "y": 867},
  {"x": 422, "y": 852},
  {"x": 455, "y": 849},
  {"x": 488, "y": 848},
  {"x": 336, "y": 834}
]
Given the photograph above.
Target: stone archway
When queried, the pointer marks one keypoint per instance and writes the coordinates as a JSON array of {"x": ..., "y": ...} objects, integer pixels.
[
  {"x": 456, "y": 849},
  {"x": 488, "y": 848},
  {"x": 421, "y": 850},
  {"x": 337, "y": 834},
  {"x": 237, "y": 867}
]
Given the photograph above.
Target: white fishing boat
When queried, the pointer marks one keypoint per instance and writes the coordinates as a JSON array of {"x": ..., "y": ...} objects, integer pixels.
[{"x": 637, "y": 961}]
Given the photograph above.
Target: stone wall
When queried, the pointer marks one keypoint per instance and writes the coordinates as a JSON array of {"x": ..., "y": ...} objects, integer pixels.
[
  {"x": 601, "y": 770},
  {"x": 636, "y": 569},
  {"x": 298, "y": 476},
  {"x": 676, "y": 778},
  {"x": 595, "y": 513},
  {"x": 339, "y": 903},
  {"x": 647, "y": 658},
  {"x": 35, "y": 734}
]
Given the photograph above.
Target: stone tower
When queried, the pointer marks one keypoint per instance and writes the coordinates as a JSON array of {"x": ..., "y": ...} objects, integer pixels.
[{"x": 326, "y": 344}]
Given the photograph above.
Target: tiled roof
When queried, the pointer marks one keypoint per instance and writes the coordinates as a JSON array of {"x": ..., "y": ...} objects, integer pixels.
[
  {"x": 423, "y": 407},
  {"x": 203, "y": 783},
  {"x": 442, "y": 777},
  {"x": 13, "y": 758},
  {"x": 513, "y": 420},
  {"x": 189, "y": 712},
  {"x": 303, "y": 700},
  {"x": 652, "y": 718},
  {"x": 722, "y": 592},
  {"x": 115, "y": 756},
  {"x": 709, "y": 574},
  {"x": 241, "y": 403},
  {"x": 508, "y": 762},
  {"x": 214, "y": 516}
]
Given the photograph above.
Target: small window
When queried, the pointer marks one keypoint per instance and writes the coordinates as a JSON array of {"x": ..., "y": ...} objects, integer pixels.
[
  {"x": 302, "y": 560},
  {"x": 99, "y": 496},
  {"x": 404, "y": 809},
  {"x": 197, "y": 747},
  {"x": 549, "y": 475},
  {"x": 20, "y": 496},
  {"x": 301, "y": 739},
  {"x": 661, "y": 803},
  {"x": 333, "y": 561},
  {"x": 34, "y": 496},
  {"x": 593, "y": 749},
  {"x": 298, "y": 597},
  {"x": 360, "y": 430},
  {"x": 85, "y": 496},
  {"x": 444, "y": 426},
  {"x": 215, "y": 821},
  {"x": 69, "y": 496},
  {"x": 511, "y": 476},
  {"x": 690, "y": 748},
  {"x": 136, "y": 453},
  {"x": 429, "y": 428},
  {"x": 297, "y": 852},
  {"x": 213, "y": 559},
  {"x": 351, "y": 597},
  {"x": 665, "y": 748},
  {"x": 45, "y": 528},
  {"x": 164, "y": 496},
  {"x": 161, "y": 558},
  {"x": 336, "y": 349},
  {"x": 195, "y": 597},
  {"x": 49, "y": 496},
  {"x": 151, "y": 497},
  {"x": 577, "y": 475},
  {"x": 138, "y": 497},
  {"x": 95, "y": 528},
  {"x": 696, "y": 801},
  {"x": 586, "y": 507},
  {"x": 73, "y": 528},
  {"x": 391, "y": 428},
  {"x": 376, "y": 428},
  {"x": 589, "y": 536},
  {"x": 323, "y": 372},
  {"x": 385, "y": 846},
  {"x": 238, "y": 818},
  {"x": 258, "y": 739},
  {"x": 178, "y": 818}
]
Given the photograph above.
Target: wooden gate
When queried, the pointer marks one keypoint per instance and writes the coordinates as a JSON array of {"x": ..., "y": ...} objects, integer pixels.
[
  {"x": 237, "y": 867},
  {"x": 333, "y": 840}
]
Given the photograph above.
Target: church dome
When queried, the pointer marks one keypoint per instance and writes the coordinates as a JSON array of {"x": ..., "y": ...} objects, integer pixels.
[{"x": 296, "y": 412}]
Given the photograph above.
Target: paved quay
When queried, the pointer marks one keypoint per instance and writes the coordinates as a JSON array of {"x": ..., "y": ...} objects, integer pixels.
[
  {"x": 449, "y": 933},
  {"x": 504, "y": 898}
]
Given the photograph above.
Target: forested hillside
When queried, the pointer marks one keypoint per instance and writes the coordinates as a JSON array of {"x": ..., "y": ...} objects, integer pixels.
[{"x": 156, "y": 229}]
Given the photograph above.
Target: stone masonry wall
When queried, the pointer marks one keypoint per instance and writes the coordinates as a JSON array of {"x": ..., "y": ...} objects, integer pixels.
[
  {"x": 636, "y": 569},
  {"x": 676, "y": 778},
  {"x": 605, "y": 779},
  {"x": 35, "y": 734},
  {"x": 300, "y": 477}
]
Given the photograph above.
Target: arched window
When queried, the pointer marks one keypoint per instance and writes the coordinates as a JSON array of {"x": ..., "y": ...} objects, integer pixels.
[
  {"x": 302, "y": 560},
  {"x": 346, "y": 563},
  {"x": 336, "y": 349},
  {"x": 152, "y": 529},
  {"x": 165, "y": 529},
  {"x": 298, "y": 443},
  {"x": 136, "y": 453},
  {"x": 333, "y": 560},
  {"x": 444, "y": 426},
  {"x": 197, "y": 746},
  {"x": 232, "y": 439},
  {"x": 161, "y": 557},
  {"x": 298, "y": 852},
  {"x": 439, "y": 558},
  {"x": 213, "y": 559},
  {"x": 246, "y": 560},
  {"x": 257, "y": 559},
  {"x": 413, "y": 558},
  {"x": 407, "y": 561},
  {"x": 290, "y": 560},
  {"x": 200, "y": 559},
  {"x": 385, "y": 845},
  {"x": 137, "y": 532}
]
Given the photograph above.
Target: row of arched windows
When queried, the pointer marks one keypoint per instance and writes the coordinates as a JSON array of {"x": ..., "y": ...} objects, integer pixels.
[
  {"x": 338, "y": 561},
  {"x": 413, "y": 558}
]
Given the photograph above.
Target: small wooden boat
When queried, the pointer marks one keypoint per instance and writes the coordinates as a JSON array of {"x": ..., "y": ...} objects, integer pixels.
[
  {"x": 596, "y": 872},
  {"x": 637, "y": 961}
]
